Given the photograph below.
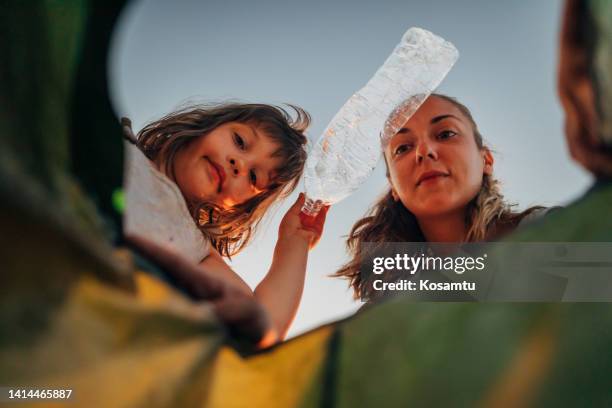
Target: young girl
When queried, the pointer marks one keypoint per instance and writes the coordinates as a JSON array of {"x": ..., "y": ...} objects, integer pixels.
[
  {"x": 441, "y": 189},
  {"x": 231, "y": 162}
]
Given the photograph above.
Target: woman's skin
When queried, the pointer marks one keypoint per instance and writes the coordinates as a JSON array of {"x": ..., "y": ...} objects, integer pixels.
[{"x": 436, "y": 168}]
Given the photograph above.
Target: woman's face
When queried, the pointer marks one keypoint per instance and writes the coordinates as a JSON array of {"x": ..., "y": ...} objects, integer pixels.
[
  {"x": 435, "y": 166},
  {"x": 228, "y": 166}
]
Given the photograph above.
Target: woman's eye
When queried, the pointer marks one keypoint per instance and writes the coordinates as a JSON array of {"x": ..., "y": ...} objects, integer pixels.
[
  {"x": 253, "y": 177},
  {"x": 446, "y": 134},
  {"x": 239, "y": 141},
  {"x": 401, "y": 149}
]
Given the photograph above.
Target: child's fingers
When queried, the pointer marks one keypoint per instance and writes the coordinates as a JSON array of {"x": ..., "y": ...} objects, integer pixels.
[
  {"x": 315, "y": 224},
  {"x": 301, "y": 199},
  {"x": 243, "y": 315},
  {"x": 321, "y": 216},
  {"x": 299, "y": 203},
  {"x": 324, "y": 210},
  {"x": 312, "y": 235},
  {"x": 199, "y": 284}
]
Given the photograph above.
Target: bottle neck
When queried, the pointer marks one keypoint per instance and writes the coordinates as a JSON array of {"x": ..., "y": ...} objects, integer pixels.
[{"x": 312, "y": 207}]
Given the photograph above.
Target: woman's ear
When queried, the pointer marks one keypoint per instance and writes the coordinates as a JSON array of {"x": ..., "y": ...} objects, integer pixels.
[
  {"x": 488, "y": 162},
  {"x": 393, "y": 192}
]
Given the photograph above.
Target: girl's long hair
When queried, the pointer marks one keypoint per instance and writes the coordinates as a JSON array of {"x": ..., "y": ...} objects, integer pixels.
[
  {"x": 230, "y": 230},
  {"x": 388, "y": 220}
]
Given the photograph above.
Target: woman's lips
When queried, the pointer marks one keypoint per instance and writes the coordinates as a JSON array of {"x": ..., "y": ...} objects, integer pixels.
[{"x": 430, "y": 176}]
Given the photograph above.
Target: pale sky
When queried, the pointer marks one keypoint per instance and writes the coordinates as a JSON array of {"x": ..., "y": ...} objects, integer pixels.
[{"x": 316, "y": 54}]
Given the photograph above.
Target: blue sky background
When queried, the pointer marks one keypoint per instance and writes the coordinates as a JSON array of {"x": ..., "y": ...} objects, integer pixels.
[{"x": 316, "y": 54}]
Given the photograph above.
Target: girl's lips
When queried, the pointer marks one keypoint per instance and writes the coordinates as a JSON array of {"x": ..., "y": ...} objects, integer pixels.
[{"x": 218, "y": 174}]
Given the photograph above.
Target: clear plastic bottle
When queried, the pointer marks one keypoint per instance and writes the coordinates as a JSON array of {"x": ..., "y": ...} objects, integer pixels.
[{"x": 349, "y": 149}]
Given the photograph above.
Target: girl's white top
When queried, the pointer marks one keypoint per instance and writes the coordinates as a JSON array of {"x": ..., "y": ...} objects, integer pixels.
[{"x": 156, "y": 210}]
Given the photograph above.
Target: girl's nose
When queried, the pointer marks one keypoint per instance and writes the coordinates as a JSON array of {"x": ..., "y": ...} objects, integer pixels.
[
  {"x": 237, "y": 165},
  {"x": 425, "y": 150}
]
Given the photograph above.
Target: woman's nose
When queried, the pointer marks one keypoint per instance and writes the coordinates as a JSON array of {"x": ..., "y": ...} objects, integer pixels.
[
  {"x": 425, "y": 150},
  {"x": 237, "y": 165}
]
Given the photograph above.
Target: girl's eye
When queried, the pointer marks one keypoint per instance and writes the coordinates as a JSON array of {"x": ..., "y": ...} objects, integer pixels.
[
  {"x": 239, "y": 141},
  {"x": 446, "y": 134},
  {"x": 253, "y": 177},
  {"x": 401, "y": 149}
]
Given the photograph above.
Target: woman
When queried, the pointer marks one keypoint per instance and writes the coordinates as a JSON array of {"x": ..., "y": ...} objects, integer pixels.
[{"x": 441, "y": 189}]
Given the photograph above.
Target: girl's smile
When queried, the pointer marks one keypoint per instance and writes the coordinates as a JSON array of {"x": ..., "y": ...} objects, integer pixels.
[
  {"x": 227, "y": 166},
  {"x": 217, "y": 173}
]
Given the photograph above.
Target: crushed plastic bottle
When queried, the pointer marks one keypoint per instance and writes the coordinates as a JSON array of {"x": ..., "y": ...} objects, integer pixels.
[{"x": 349, "y": 149}]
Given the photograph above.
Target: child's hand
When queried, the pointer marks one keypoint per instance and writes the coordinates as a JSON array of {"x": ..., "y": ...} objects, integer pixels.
[
  {"x": 292, "y": 227},
  {"x": 243, "y": 315}
]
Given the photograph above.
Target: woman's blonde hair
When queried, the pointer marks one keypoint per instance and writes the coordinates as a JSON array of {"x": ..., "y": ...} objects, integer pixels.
[
  {"x": 230, "y": 230},
  {"x": 388, "y": 220}
]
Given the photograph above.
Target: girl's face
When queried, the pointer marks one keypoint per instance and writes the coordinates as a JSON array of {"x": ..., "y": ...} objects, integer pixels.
[
  {"x": 228, "y": 166},
  {"x": 435, "y": 166}
]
